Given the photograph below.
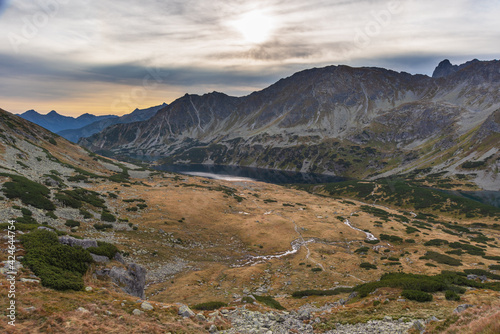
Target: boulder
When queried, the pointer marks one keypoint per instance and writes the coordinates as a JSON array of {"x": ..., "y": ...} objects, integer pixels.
[
  {"x": 99, "y": 258},
  {"x": 45, "y": 228},
  {"x": 132, "y": 280},
  {"x": 418, "y": 325},
  {"x": 185, "y": 311},
  {"x": 84, "y": 243},
  {"x": 118, "y": 257},
  {"x": 461, "y": 308},
  {"x": 147, "y": 306},
  {"x": 137, "y": 312}
]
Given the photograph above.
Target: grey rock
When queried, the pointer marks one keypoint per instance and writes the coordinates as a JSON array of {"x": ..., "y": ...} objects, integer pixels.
[
  {"x": 88, "y": 288},
  {"x": 131, "y": 281},
  {"x": 305, "y": 315},
  {"x": 45, "y": 228},
  {"x": 118, "y": 257},
  {"x": 352, "y": 295},
  {"x": 30, "y": 309},
  {"x": 84, "y": 243},
  {"x": 137, "y": 312},
  {"x": 147, "y": 306},
  {"x": 29, "y": 280},
  {"x": 185, "y": 311},
  {"x": 418, "y": 325},
  {"x": 430, "y": 319},
  {"x": 82, "y": 310},
  {"x": 212, "y": 329},
  {"x": 100, "y": 258},
  {"x": 461, "y": 308}
]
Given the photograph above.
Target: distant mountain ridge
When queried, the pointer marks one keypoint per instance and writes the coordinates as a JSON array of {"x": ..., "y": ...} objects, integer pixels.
[
  {"x": 136, "y": 116},
  {"x": 56, "y": 122},
  {"x": 356, "y": 122}
]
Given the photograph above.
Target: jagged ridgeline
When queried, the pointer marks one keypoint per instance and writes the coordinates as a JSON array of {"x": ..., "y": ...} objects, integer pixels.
[{"x": 356, "y": 122}]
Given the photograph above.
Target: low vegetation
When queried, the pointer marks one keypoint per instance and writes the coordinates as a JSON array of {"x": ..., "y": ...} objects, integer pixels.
[
  {"x": 269, "y": 301},
  {"x": 208, "y": 306},
  {"x": 59, "y": 267},
  {"x": 29, "y": 192},
  {"x": 306, "y": 293}
]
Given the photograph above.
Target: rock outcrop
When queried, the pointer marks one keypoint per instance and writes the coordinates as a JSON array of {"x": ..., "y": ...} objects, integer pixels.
[
  {"x": 131, "y": 280},
  {"x": 84, "y": 243}
]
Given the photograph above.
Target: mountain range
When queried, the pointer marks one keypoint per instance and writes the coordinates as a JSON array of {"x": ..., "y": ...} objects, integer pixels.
[
  {"x": 355, "y": 122},
  {"x": 56, "y": 122},
  {"x": 136, "y": 116}
]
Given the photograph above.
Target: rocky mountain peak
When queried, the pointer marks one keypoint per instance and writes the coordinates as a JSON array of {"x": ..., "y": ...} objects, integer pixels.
[{"x": 444, "y": 69}]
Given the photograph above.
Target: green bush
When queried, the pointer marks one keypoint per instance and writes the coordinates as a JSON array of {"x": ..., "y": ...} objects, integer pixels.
[
  {"x": 412, "y": 282},
  {"x": 131, "y": 200},
  {"x": 418, "y": 296},
  {"x": 482, "y": 272},
  {"x": 29, "y": 192},
  {"x": 104, "y": 249},
  {"x": 77, "y": 196},
  {"x": 390, "y": 238},
  {"x": 112, "y": 195},
  {"x": 72, "y": 223},
  {"x": 60, "y": 267},
  {"x": 26, "y": 212},
  {"x": 436, "y": 242},
  {"x": 441, "y": 258},
  {"x": 367, "y": 266},
  {"x": 86, "y": 214},
  {"x": 208, "y": 306},
  {"x": 373, "y": 242},
  {"x": 410, "y": 241},
  {"x": 363, "y": 249},
  {"x": 247, "y": 300},
  {"x": 494, "y": 267},
  {"x": 451, "y": 295},
  {"x": 269, "y": 301},
  {"x": 316, "y": 269},
  {"x": 132, "y": 209},
  {"x": 51, "y": 214},
  {"x": 305, "y": 293},
  {"x": 101, "y": 227},
  {"x": 68, "y": 200},
  {"x": 410, "y": 230},
  {"x": 107, "y": 217},
  {"x": 473, "y": 164},
  {"x": 472, "y": 250}
]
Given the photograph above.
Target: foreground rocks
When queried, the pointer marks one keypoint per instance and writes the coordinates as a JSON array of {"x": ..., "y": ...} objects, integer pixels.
[
  {"x": 84, "y": 243},
  {"x": 131, "y": 280},
  {"x": 379, "y": 326},
  {"x": 281, "y": 322}
]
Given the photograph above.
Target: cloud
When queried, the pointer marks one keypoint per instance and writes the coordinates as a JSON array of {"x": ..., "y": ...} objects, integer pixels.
[{"x": 72, "y": 49}]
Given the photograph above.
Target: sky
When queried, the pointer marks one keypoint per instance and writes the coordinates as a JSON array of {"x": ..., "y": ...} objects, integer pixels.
[{"x": 110, "y": 57}]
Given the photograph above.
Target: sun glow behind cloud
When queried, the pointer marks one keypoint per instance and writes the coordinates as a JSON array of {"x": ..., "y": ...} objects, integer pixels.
[{"x": 255, "y": 27}]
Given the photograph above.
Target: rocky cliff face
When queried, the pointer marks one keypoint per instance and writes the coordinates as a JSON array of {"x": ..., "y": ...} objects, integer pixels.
[{"x": 336, "y": 120}]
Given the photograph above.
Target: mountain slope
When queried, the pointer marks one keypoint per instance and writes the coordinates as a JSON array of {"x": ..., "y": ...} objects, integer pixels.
[
  {"x": 252, "y": 245},
  {"x": 136, "y": 116},
  {"x": 56, "y": 122},
  {"x": 356, "y": 122}
]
